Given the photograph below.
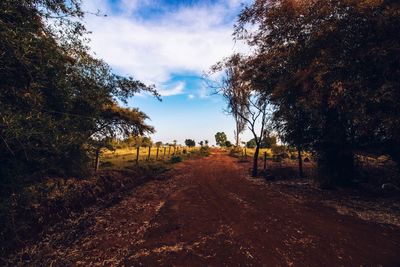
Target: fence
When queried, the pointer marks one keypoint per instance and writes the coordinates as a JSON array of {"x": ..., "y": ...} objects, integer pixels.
[{"x": 125, "y": 157}]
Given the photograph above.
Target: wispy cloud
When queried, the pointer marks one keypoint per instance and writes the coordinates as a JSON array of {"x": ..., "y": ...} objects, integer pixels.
[{"x": 176, "y": 90}]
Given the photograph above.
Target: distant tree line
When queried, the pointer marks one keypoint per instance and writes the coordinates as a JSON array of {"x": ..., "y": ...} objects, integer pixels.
[
  {"x": 58, "y": 104},
  {"x": 329, "y": 71}
]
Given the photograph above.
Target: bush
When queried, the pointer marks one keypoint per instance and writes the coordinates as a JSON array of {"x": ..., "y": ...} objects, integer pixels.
[
  {"x": 204, "y": 151},
  {"x": 176, "y": 159},
  {"x": 277, "y": 150},
  {"x": 235, "y": 152},
  {"x": 277, "y": 158}
]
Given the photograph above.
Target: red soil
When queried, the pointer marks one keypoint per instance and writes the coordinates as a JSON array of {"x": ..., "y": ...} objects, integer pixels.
[{"x": 208, "y": 213}]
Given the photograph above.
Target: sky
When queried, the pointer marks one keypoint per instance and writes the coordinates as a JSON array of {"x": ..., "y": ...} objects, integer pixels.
[{"x": 170, "y": 44}]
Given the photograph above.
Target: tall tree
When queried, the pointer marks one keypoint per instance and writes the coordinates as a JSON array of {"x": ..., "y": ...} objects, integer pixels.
[
  {"x": 336, "y": 62},
  {"x": 57, "y": 102},
  {"x": 244, "y": 100}
]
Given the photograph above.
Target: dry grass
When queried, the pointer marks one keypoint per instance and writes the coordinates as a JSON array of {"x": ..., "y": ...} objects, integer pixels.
[{"x": 126, "y": 157}]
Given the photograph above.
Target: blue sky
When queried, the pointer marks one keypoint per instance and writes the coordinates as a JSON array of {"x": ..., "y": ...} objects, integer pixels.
[{"x": 170, "y": 43}]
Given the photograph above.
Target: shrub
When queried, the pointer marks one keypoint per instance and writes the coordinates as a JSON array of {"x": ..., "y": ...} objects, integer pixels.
[
  {"x": 276, "y": 150},
  {"x": 176, "y": 159},
  {"x": 277, "y": 158},
  {"x": 236, "y": 152},
  {"x": 204, "y": 151}
]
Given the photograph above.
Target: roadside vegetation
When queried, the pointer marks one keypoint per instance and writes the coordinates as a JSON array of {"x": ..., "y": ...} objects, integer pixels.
[{"x": 323, "y": 76}]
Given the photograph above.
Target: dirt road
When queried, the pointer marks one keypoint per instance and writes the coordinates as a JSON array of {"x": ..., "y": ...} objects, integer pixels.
[{"x": 207, "y": 213}]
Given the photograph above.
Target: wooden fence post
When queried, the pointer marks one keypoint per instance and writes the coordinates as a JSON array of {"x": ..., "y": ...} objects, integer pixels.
[
  {"x": 169, "y": 151},
  {"x": 97, "y": 162},
  {"x": 158, "y": 148},
  {"x": 165, "y": 149},
  {"x": 265, "y": 160},
  {"x": 137, "y": 154},
  {"x": 148, "y": 157}
]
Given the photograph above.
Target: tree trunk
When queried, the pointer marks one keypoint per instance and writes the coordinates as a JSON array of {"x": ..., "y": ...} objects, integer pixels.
[
  {"x": 299, "y": 157},
  {"x": 255, "y": 161},
  {"x": 137, "y": 154}
]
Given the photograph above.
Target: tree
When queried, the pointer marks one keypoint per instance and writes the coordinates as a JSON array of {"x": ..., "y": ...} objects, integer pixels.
[
  {"x": 268, "y": 141},
  {"x": 331, "y": 70},
  {"x": 228, "y": 144},
  {"x": 201, "y": 143},
  {"x": 251, "y": 143},
  {"x": 159, "y": 144},
  {"x": 220, "y": 139},
  {"x": 243, "y": 98},
  {"x": 234, "y": 98},
  {"x": 58, "y": 104},
  {"x": 146, "y": 141},
  {"x": 190, "y": 143},
  {"x": 206, "y": 142}
]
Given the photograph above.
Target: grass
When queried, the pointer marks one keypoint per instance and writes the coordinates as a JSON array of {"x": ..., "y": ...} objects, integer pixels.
[
  {"x": 250, "y": 153},
  {"x": 126, "y": 157}
]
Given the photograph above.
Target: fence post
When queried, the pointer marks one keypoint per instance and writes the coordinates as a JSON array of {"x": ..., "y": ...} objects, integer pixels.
[
  {"x": 137, "y": 154},
  {"x": 165, "y": 149},
  {"x": 265, "y": 160},
  {"x": 97, "y": 162},
  {"x": 148, "y": 157},
  {"x": 158, "y": 148},
  {"x": 169, "y": 151}
]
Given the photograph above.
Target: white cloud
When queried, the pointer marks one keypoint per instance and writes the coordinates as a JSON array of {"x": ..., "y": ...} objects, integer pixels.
[
  {"x": 176, "y": 90},
  {"x": 189, "y": 39},
  {"x": 191, "y": 96}
]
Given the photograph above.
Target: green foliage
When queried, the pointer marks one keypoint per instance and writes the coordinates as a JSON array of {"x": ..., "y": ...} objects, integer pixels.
[
  {"x": 176, "y": 159},
  {"x": 159, "y": 144},
  {"x": 204, "y": 151},
  {"x": 220, "y": 139},
  {"x": 251, "y": 143},
  {"x": 190, "y": 143},
  {"x": 58, "y": 104},
  {"x": 228, "y": 144},
  {"x": 331, "y": 69},
  {"x": 268, "y": 141}
]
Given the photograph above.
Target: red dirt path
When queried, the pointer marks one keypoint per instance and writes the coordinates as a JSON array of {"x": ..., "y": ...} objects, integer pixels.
[{"x": 209, "y": 214}]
